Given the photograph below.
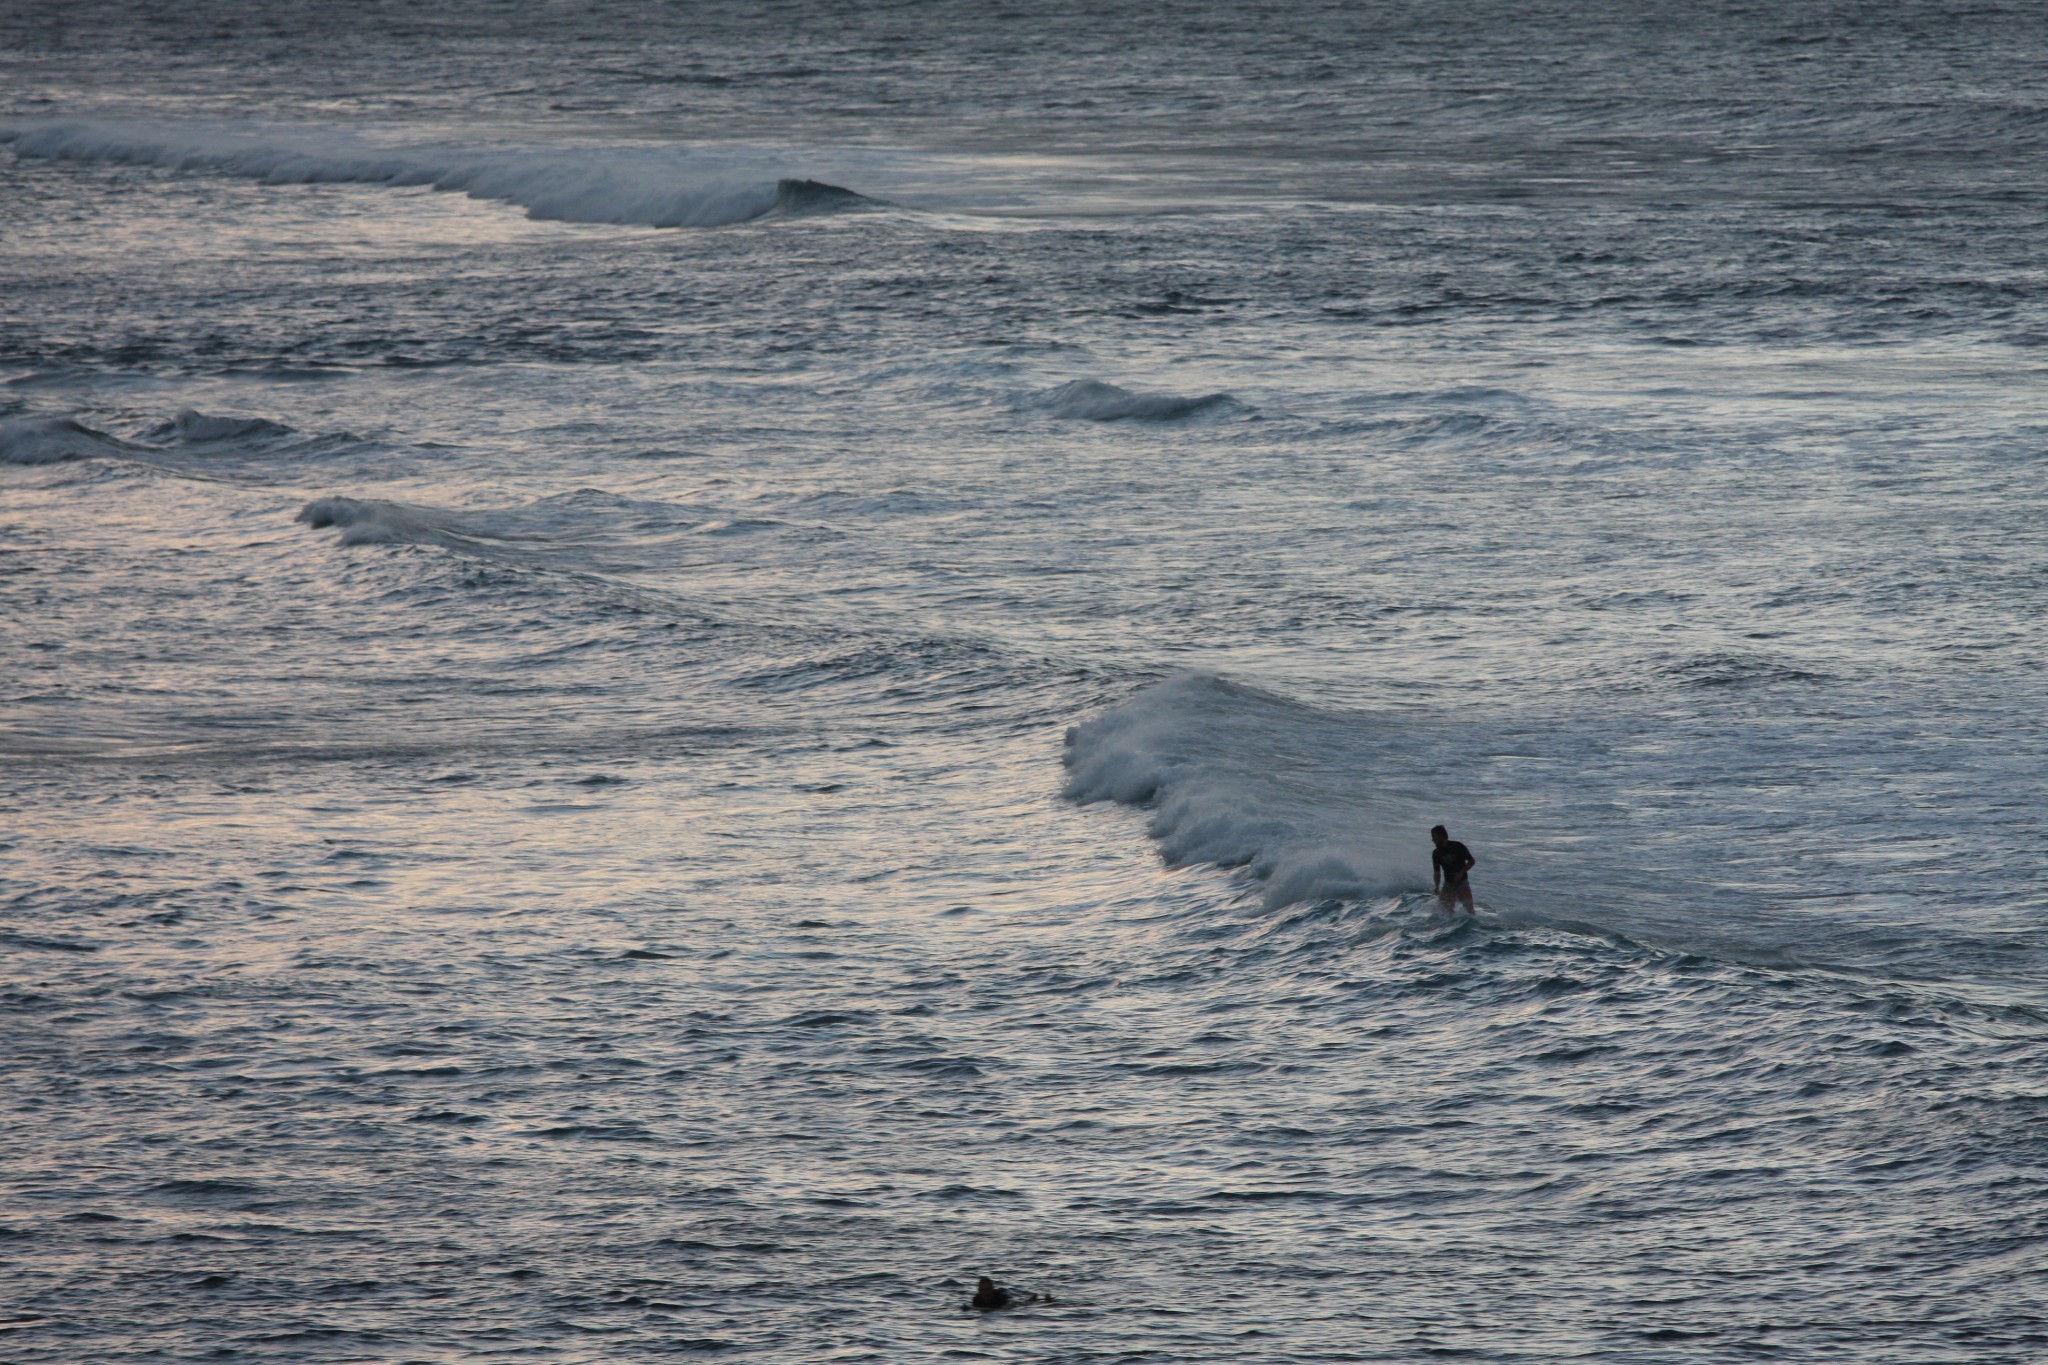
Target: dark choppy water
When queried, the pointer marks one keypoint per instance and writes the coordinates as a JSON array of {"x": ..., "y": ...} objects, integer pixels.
[{"x": 676, "y": 678}]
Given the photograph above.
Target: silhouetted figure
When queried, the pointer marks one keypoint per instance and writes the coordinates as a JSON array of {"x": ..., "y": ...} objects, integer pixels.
[
  {"x": 1447, "y": 868},
  {"x": 988, "y": 1296}
]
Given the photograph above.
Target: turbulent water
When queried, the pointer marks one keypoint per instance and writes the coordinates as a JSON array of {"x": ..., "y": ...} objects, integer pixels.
[{"x": 678, "y": 676}]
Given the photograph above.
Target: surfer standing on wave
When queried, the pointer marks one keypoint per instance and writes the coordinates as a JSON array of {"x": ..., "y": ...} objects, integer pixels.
[{"x": 1448, "y": 865}]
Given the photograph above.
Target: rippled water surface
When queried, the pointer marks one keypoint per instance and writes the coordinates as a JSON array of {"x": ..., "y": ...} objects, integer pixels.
[{"x": 676, "y": 678}]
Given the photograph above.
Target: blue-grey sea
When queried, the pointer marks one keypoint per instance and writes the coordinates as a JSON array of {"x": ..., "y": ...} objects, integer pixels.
[{"x": 674, "y": 676}]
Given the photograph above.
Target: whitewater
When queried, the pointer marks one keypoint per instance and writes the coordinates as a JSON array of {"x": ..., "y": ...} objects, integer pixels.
[{"x": 674, "y": 681}]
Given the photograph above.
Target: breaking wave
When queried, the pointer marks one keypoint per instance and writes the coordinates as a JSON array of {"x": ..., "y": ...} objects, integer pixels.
[
  {"x": 590, "y": 526},
  {"x": 190, "y": 443},
  {"x": 374, "y": 521},
  {"x": 198, "y": 428},
  {"x": 1091, "y": 400},
  {"x": 646, "y": 187},
  {"x": 53, "y": 440},
  {"x": 1240, "y": 778}
]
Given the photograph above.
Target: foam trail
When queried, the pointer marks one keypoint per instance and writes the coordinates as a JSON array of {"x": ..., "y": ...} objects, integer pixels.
[
  {"x": 590, "y": 528},
  {"x": 647, "y": 187},
  {"x": 378, "y": 521},
  {"x": 1240, "y": 778}
]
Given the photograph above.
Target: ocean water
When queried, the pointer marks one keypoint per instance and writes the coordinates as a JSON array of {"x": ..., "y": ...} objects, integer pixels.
[{"x": 676, "y": 676}]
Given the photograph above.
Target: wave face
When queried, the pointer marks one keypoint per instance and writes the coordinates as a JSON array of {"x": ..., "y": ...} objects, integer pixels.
[
  {"x": 628, "y": 187},
  {"x": 199, "y": 428},
  {"x": 190, "y": 441},
  {"x": 1240, "y": 778},
  {"x": 373, "y": 522},
  {"x": 54, "y": 440},
  {"x": 1092, "y": 400}
]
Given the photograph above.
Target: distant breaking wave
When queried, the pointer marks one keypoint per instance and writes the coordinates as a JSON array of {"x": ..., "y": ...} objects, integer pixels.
[
  {"x": 194, "y": 427},
  {"x": 1091, "y": 400},
  {"x": 630, "y": 187},
  {"x": 54, "y": 440},
  {"x": 169, "y": 445},
  {"x": 580, "y": 526}
]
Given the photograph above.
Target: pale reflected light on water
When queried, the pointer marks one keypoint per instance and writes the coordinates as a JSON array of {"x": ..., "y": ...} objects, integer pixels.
[{"x": 572, "y": 791}]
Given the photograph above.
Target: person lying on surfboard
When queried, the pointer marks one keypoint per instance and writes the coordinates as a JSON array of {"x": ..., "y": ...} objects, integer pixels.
[
  {"x": 990, "y": 1296},
  {"x": 1448, "y": 865}
]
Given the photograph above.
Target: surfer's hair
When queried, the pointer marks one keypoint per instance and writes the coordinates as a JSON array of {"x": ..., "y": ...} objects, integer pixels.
[{"x": 1435, "y": 830}]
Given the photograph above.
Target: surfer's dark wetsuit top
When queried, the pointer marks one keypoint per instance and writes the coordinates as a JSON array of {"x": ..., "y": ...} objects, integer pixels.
[{"x": 1453, "y": 860}]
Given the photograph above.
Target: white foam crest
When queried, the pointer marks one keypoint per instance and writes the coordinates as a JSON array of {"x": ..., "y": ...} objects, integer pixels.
[
  {"x": 589, "y": 525},
  {"x": 370, "y": 521},
  {"x": 1092, "y": 400},
  {"x": 52, "y": 440},
  {"x": 648, "y": 187},
  {"x": 1240, "y": 778}
]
